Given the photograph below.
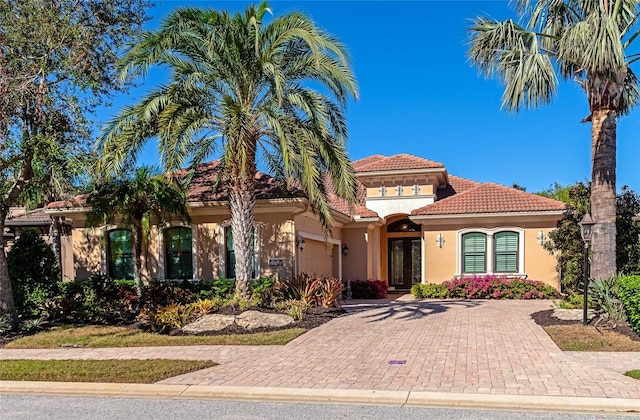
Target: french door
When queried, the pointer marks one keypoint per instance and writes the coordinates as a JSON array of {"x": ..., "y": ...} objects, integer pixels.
[{"x": 405, "y": 262}]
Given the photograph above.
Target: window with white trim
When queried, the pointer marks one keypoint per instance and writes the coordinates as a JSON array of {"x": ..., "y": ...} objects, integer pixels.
[
  {"x": 474, "y": 252},
  {"x": 119, "y": 254},
  {"x": 505, "y": 251},
  {"x": 230, "y": 255},
  {"x": 178, "y": 248},
  {"x": 487, "y": 251}
]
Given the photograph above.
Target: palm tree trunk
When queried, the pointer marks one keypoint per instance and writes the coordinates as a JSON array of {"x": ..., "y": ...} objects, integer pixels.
[
  {"x": 241, "y": 202},
  {"x": 136, "y": 239},
  {"x": 603, "y": 193},
  {"x": 7, "y": 307}
]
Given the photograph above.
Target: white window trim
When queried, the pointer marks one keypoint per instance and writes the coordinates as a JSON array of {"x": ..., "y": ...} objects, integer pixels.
[
  {"x": 104, "y": 244},
  {"x": 489, "y": 252},
  {"x": 222, "y": 248},
  {"x": 162, "y": 269}
]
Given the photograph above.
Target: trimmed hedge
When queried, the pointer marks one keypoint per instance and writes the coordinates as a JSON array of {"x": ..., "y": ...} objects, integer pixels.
[
  {"x": 485, "y": 287},
  {"x": 629, "y": 288}
]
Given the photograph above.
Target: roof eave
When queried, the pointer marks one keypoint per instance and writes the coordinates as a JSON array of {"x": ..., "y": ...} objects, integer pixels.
[
  {"x": 401, "y": 172},
  {"x": 498, "y": 214}
]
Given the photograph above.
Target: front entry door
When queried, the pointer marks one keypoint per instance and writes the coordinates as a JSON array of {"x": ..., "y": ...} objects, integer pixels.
[{"x": 405, "y": 262}]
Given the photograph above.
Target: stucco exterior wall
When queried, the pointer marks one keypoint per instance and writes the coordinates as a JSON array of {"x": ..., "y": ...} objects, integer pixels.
[
  {"x": 441, "y": 264},
  {"x": 354, "y": 264},
  {"x": 87, "y": 251}
]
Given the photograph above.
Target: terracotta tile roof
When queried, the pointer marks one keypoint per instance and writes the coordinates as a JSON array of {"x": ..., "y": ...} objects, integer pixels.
[
  {"x": 36, "y": 217},
  {"x": 366, "y": 161},
  {"x": 78, "y": 201},
  {"x": 456, "y": 185},
  {"x": 394, "y": 163},
  {"x": 201, "y": 188},
  {"x": 340, "y": 205},
  {"x": 490, "y": 198}
]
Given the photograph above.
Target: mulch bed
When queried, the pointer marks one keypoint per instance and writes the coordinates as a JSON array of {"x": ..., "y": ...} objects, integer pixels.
[
  {"x": 314, "y": 318},
  {"x": 546, "y": 318}
]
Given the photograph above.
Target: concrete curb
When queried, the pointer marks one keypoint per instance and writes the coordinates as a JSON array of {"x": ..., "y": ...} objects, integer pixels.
[{"x": 342, "y": 396}]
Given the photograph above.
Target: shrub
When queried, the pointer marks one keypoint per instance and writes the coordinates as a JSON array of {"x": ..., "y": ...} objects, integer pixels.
[
  {"x": 5, "y": 324},
  {"x": 496, "y": 287},
  {"x": 296, "y": 309},
  {"x": 263, "y": 290},
  {"x": 166, "y": 318},
  {"x": 204, "y": 306},
  {"x": 629, "y": 289},
  {"x": 369, "y": 289},
  {"x": 605, "y": 296},
  {"x": 329, "y": 290},
  {"x": 292, "y": 289},
  {"x": 429, "y": 291},
  {"x": 34, "y": 274}
]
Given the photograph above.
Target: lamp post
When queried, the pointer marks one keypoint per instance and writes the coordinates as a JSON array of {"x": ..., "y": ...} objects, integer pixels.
[{"x": 586, "y": 229}]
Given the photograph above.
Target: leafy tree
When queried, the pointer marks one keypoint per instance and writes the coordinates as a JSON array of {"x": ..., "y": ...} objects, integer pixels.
[
  {"x": 628, "y": 246},
  {"x": 565, "y": 238},
  {"x": 243, "y": 88},
  {"x": 137, "y": 202},
  {"x": 57, "y": 60},
  {"x": 567, "y": 241},
  {"x": 33, "y": 272},
  {"x": 587, "y": 41}
]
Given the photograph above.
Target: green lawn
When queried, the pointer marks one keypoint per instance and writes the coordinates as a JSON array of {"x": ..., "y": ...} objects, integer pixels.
[
  {"x": 579, "y": 338},
  {"x": 635, "y": 374},
  {"x": 124, "y": 371},
  {"x": 97, "y": 336}
]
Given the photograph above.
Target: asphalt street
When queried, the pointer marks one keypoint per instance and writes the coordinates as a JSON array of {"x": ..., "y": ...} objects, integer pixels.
[{"x": 35, "y": 407}]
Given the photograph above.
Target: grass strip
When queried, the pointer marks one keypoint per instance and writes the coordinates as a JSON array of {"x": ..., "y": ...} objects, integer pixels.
[
  {"x": 580, "y": 338},
  {"x": 121, "y": 371},
  {"x": 635, "y": 374},
  {"x": 99, "y": 336}
]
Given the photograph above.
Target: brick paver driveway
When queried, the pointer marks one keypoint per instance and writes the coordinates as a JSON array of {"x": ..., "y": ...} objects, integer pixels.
[{"x": 449, "y": 346}]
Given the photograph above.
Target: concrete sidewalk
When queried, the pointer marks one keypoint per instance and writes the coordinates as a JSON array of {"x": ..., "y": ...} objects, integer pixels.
[{"x": 449, "y": 351}]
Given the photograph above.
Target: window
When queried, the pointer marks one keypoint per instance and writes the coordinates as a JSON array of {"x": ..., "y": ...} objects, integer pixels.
[
  {"x": 178, "y": 253},
  {"x": 120, "y": 254},
  {"x": 230, "y": 259},
  {"x": 474, "y": 253},
  {"x": 505, "y": 252},
  {"x": 403, "y": 225}
]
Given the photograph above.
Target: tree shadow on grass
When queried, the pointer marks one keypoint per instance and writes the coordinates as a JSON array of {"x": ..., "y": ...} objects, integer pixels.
[{"x": 409, "y": 310}]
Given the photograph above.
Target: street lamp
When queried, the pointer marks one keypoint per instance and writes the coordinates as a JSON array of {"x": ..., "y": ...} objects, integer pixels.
[{"x": 586, "y": 229}]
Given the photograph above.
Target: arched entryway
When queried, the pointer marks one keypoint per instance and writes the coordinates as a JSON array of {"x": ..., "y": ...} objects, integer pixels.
[{"x": 404, "y": 254}]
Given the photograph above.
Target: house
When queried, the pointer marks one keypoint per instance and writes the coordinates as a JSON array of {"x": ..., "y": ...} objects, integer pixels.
[
  {"x": 20, "y": 219},
  {"x": 414, "y": 223}
]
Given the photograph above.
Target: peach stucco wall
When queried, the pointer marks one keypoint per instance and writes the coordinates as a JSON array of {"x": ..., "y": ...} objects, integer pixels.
[
  {"x": 441, "y": 263},
  {"x": 275, "y": 238},
  {"x": 354, "y": 264}
]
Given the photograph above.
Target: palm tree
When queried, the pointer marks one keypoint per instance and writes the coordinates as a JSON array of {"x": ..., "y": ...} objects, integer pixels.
[
  {"x": 585, "y": 40},
  {"x": 243, "y": 89},
  {"x": 137, "y": 202}
]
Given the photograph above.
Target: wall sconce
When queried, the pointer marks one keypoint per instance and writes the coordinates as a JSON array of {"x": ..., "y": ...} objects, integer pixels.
[
  {"x": 300, "y": 242},
  {"x": 541, "y": 238},
  {"x": 440, "y": 240},
  {"x": 345, "y": 249}
]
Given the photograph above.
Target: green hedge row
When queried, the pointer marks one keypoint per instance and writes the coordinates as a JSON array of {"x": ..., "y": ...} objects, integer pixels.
[{"x": 630, "y": 297}]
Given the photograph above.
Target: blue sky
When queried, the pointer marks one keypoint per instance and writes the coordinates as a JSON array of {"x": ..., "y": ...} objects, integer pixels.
[{"x": 420, "y": 95}]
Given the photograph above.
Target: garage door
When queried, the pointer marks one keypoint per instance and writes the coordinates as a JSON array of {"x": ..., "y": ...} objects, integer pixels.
[{"x": 316, "y": 258}]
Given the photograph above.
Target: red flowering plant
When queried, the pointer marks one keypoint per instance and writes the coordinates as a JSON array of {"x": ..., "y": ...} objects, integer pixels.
[{"x": 498, "y": 287}]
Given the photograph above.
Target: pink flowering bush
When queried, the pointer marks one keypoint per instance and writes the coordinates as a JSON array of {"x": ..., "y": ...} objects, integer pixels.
[{"x": 498, "y": 287}]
